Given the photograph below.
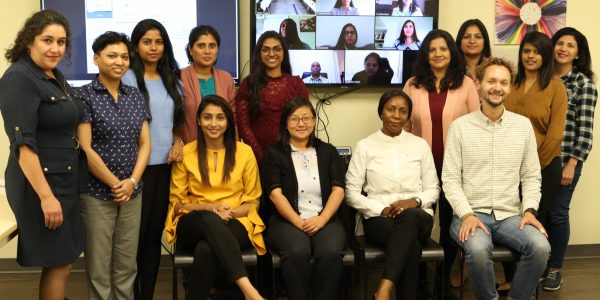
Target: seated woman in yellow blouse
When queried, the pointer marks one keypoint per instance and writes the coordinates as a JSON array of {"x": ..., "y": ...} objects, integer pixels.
[{"x": 214, "y": 203}]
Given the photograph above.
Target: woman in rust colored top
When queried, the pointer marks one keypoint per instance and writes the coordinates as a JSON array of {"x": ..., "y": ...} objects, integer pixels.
[
  {"x": 537, "y": 95},
  {"x": 263, "y": 94}
]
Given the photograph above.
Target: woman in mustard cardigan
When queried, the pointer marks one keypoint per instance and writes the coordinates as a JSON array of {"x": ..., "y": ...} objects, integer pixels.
[
  {"x": 215, "y": 193},
  {"x": 441, "y": 92}
]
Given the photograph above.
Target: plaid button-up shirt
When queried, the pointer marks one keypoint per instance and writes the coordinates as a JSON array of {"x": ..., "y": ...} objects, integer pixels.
[{"x": 583, "y": 95}]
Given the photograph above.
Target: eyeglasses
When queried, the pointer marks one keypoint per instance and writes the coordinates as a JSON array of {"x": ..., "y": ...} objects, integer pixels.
[
  {"x": 267, "y": 50},
  {"x": 349, "y": 32},
  {"x": 306, "y": 120}
]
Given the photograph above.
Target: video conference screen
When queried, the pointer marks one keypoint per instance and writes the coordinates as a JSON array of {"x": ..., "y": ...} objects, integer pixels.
[
  {"x": 90, "y": 18},
  {"x": 373, "y": 42}
]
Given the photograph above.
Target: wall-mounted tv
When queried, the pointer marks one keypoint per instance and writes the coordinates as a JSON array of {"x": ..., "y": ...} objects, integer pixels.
[
  {"x": 362, "y": 45},
  {"x": 90, "y": 18}
]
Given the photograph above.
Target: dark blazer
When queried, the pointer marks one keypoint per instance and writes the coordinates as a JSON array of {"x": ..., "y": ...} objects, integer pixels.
[{"x": 278, "y": 172}]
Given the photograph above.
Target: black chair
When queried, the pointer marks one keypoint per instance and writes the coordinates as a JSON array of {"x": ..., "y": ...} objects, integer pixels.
[
  {"x": 184, "y": 259},
  {"x": 306, "y": 74},
  {"x": 499, "y": 254}
]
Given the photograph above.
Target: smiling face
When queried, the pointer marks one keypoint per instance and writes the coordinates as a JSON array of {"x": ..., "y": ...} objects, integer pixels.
[
  {"x": 439, "y": 54},
  {"x": 48, "y": 48},
  {"x": 394, "y": 116},
  {"x": 112, "y": 62},
  {"x": 301, "y": 124},
  {"x": 409, "y": 29},
  {"x": 531, "y": 58},
  {"x": 213, "y": 123},
  {"x": 495, "y": 86},
  {"x": 205, "y": 51},
  {"x": 472, "y": 41},
  {"x": 566, "y": 50},
  {"x": 271, "y": 54},
  {"x": 151, "y": 47},
  {"x": 350, "y": 35}
]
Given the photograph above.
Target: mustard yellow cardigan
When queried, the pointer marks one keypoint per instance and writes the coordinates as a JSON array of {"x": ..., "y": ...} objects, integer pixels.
[{"x": 243, "y": 187}]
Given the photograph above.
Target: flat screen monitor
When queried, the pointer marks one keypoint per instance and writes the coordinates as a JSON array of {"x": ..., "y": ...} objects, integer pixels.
[
  {"x": 363, "y": 45},
  {"x": 90, "y": 18}
]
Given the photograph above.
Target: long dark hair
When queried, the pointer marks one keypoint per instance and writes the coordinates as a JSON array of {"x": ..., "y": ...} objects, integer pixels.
[
  {"x": 402, "y": 37},
  {"x": 543, "y": 44},
  {"x": 283, "y": 140},
  {"x": 486, "y": 52},
  {"x": 257, "y": 79},
  {"x": 411, "y": 8},
  {"x": 583, "y": 63},
  {"x": 341, "y": 43},
  {"x": 455, "y": 73},
  {"x": 34, "y": 27},
  {"x": 291, "y": 39},
  {"x": 167, "y": 67},
  {"x": 195, "y": 35},
  {"x": 338, "y": 4},
  {"x": 228, "y": 139}
]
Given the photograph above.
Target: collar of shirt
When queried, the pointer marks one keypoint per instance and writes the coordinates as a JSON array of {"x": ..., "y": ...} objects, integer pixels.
[
  {"x": 483, "y": 118},
  {"x": 98, "y": 86}
]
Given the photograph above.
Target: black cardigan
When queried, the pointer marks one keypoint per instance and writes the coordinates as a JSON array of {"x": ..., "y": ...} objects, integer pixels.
[{"x": 278, "y": 172}]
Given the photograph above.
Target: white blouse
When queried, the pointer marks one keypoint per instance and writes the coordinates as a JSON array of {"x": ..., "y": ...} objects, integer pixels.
[{"x": 309, "y": 187}]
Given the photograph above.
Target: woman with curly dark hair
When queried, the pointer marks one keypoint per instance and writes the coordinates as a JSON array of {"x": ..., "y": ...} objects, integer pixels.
[
  {"x": 263, "y": 94},
  {"x": 43, "y": 171},
  {"x": 441, "y": 92}
]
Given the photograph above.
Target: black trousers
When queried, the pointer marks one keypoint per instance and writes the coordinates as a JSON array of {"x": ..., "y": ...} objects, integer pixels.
[
  {"x": 155, "y": 202},
  {"x": 214, "y": 243},
  {"x": 449, "y": 245},
  {"x": 402, "y": 238},
  {"x": 551, "y": 177},
  {"x": 296, "y": 249}
]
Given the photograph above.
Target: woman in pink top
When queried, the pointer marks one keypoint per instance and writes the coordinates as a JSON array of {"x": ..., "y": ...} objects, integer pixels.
[
  {"x": 441, "y": 92},
  {"x": 202, "y": 78}
]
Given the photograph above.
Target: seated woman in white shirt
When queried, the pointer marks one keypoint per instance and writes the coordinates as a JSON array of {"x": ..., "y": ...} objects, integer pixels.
[
  {"x": 344, "y": 8},
  {"x": 396, "y": 171}
]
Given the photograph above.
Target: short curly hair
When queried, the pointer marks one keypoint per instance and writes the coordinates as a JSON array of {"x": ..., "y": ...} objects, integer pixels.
[{"x": 34, "y": 27}]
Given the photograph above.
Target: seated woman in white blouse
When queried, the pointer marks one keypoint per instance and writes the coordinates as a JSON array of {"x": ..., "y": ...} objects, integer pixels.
[{"x": 395, "y": 169}]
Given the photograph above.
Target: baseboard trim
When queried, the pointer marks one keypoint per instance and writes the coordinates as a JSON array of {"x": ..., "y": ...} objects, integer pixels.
[{"x": 9, "y": 265}]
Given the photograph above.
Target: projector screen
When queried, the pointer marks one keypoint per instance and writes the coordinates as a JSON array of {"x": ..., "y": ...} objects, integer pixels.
[{"x": 90, "y": 18}]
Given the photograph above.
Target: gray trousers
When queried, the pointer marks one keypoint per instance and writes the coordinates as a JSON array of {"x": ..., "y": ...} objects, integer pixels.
[{"x": 112, "y": 234}]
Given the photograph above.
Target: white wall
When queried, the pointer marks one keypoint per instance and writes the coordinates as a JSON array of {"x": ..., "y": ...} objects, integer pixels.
[{"x": 353, "y": 116}]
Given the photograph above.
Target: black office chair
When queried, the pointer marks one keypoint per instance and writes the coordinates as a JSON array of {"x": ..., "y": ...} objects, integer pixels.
[
  {"x": 306, "y": 74},
  {"x": 185, "y": 259}
]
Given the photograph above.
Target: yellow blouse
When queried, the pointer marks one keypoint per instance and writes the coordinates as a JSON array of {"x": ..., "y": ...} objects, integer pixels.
[{"x": 243, "y": 187}]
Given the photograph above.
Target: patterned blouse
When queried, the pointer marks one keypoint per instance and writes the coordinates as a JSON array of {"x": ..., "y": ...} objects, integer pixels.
[{"x": 116, "y": 128}]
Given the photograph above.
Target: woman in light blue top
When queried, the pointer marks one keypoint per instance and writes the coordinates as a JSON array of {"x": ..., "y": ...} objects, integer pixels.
[{"x": 155, "y": 73}]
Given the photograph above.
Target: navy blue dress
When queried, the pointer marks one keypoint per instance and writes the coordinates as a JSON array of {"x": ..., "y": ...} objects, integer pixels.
[{"x": 40, "y": 112}]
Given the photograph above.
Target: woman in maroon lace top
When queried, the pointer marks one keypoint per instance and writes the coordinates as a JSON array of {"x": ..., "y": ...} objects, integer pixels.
[{"x": 263, "y": 94}]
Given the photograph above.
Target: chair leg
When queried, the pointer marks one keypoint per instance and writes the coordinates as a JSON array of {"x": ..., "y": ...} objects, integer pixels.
[{"x": 175, "y": 296}]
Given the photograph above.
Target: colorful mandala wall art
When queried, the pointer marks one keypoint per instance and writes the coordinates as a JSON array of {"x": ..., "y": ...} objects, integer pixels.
[{"x": 515, "y": 18}]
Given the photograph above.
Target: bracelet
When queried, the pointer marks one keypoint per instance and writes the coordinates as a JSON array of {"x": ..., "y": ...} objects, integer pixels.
[{"x": 135, "y": 183}]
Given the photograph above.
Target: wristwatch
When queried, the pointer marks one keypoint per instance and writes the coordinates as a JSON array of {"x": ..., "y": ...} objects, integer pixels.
[
  {"x": 135, "y": 183},
  {"x": 419, "y": 202},
  {"x": 532, "y": 211}
]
